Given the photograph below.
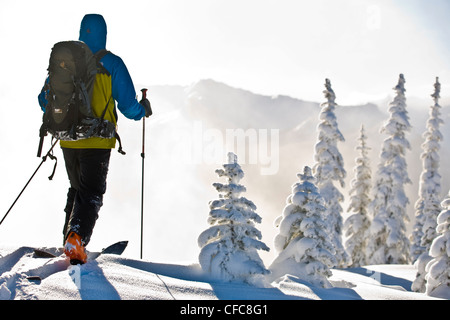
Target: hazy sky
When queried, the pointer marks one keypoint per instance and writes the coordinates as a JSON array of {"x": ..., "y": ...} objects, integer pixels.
[{"x": 266, "y": 46}]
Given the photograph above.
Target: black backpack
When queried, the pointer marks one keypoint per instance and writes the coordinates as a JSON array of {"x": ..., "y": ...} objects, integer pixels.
[{"x": 71, "y": 75}]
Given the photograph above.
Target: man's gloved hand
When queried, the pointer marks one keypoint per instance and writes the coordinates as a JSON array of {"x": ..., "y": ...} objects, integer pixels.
[{"x": 148, "y": 109}]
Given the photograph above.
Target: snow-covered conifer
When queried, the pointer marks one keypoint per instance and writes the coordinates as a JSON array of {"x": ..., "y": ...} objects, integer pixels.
[
  {"x": 229, "y": 247},
  {"x": 388, "y": 242},
  {"x": 428, "y": 205},
  {"x": 357, "y": 225},
  {"x": 329, "y": 167},
  {"x": 438, "y": 269},
  {"x": 303, "y": 244}
]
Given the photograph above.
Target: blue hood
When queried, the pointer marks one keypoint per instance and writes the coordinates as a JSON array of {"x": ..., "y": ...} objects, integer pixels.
[{"x": 93, "y": 32}]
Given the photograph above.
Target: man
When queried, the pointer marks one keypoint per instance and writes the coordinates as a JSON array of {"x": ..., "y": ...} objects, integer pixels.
[{"x": 87, "y": 160}]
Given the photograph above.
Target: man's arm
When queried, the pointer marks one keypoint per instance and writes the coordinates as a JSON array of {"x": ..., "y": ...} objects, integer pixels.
[{"x": 123, "y": 88}]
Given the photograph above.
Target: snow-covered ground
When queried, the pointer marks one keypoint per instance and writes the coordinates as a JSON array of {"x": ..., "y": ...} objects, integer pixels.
[{"x": 114, "y": 277}]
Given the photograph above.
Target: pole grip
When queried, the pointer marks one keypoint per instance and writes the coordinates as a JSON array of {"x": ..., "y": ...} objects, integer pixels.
[
  {"x": 41, "y": 141},
  {"x": 144, "y": 93}
]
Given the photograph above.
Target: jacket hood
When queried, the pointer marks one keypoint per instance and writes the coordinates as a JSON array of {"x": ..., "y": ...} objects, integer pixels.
[{"x": 93, "y": 32}]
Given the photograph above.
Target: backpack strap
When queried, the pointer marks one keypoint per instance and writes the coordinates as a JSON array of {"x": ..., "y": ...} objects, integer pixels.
[
  {"x": 120, "y": 150},
  {"x": 99, "y": 56},
  {"x": 106, "y": 108},
  {"x": 116, "y": 134},
  {"x": 101, "y": 53}
]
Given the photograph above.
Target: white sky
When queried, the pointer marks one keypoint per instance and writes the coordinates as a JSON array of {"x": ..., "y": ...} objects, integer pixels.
[{"x": 266, "y": 46}]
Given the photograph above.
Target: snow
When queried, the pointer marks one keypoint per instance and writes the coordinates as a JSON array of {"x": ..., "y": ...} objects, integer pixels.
[{"x": 114, "y": 277}]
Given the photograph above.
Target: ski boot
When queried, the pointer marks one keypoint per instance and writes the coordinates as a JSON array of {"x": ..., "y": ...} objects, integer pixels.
[{"x": 74, "y": 249}]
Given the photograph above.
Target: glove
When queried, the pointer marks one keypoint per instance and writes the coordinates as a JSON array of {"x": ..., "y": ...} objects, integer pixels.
[{"x": 148, "y": 109}]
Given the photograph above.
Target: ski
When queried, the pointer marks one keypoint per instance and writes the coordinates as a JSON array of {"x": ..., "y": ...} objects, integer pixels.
[
  {"x": 41, "y": 253},
  {"x": 117, "y": 248},
  {"x": 34, "y": 278}
]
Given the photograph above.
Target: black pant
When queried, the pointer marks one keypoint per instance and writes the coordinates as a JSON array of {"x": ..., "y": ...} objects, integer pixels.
[{"x": 87, "y": 170}]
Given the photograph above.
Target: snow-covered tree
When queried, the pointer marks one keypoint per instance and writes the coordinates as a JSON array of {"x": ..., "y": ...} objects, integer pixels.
[
  {"x": 329, "y": 167},
  {"x": 357, "y": 225},
  {"x": 438, "y": 269},
  {"x": 388, "y": 242},
  {"x": 229, "y": 247},
  {"x": 428, "y": 205},
  {"x": 303, "y": 244}
]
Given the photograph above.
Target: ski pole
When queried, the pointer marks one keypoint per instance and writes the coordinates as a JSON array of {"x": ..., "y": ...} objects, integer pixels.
[
  {"x": 44, "y": 158},
  {"x": 144, "y": 96}
]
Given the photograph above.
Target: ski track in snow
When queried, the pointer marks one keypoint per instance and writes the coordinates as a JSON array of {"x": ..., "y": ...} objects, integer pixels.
[
  {"x": 112, "y": 277},
  {"x": 20, "y": 264}
]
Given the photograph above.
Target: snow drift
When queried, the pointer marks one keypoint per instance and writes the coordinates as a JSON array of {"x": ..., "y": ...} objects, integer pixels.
[{"x": 113, "y": 277}]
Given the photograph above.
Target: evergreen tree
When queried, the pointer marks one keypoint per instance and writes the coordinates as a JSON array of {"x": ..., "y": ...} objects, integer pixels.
[
  {"x": 438, "y": 269},
  {"x": 229, "y": 247},
  {"x": 329, "y": 167},
  {"x": 428, "y": 205},
  {"x": 303, "y": 244},
  {"x": 357, "y": 225},
  {"x": 388, "y": 242}
]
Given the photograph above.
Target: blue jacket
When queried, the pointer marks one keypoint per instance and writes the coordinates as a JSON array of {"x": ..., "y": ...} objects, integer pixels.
[{"x": 93, "y": 32}]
